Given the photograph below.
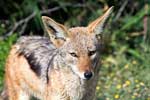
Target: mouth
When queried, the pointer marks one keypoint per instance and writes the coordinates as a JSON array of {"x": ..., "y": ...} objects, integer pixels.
[
  {"x": 84, "y": 76},
  {"x": 78, "y": 74},
  {"x": 87, "y": 75}
]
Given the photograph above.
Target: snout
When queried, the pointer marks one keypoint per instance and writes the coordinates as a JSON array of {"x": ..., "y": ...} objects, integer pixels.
[{"x": 88, "y": 75}]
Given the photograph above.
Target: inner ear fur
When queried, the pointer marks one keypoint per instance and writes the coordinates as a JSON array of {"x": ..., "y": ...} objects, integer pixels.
[
  {"x": 96, "y": 26},
  {"x": 57, "y": 32}
]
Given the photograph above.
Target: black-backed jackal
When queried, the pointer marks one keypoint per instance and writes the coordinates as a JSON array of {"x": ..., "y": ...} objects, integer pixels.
[{"x": 64, "y": 67}]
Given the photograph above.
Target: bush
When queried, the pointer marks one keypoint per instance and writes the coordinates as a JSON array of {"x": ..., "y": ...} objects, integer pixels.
[{"x": 125, "y": 67}]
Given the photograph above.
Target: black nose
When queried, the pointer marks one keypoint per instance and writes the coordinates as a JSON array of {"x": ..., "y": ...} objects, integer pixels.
[{"x": 88, "y": 74}]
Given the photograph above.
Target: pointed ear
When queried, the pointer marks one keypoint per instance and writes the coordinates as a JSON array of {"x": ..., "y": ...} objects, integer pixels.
[
  {"x": 56, "y": 31},
  {"x": 96, "y": 26}
]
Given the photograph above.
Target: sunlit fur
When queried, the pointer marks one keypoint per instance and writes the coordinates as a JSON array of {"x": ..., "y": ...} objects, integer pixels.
[{"x": 53, "y": 68}]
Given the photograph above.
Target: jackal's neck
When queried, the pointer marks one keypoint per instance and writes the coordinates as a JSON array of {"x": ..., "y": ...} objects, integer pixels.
[
  {"x": 65, "y": 82},
  {"x": 74, "y": 86},
  {"x": 62, "y": 78}
]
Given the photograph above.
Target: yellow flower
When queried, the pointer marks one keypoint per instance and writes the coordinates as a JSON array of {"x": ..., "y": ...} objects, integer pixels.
[
  {"x": 112, "y": 74},
  {"x": 116, "y": 96},
  {"x": 135, "y": 94},
  {"x": 137, "y": 85},
  {"x": 127, "y": 82},
  {"x": 118, "y": 86},
  {"x": 97, "y": 88},
  {"x": 107, "y": 99},
  {"x": 133, "y": 97},
  {"x": 136, "y": 81},
  {"x": 126, "y": 66},
  {"x": 142, "y": 84},
  {"x": 134, "y": 62},
  {"x": 148, "y": 98}
]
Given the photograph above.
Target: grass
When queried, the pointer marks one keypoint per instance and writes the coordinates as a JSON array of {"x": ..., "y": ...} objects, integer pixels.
[
  {"x": 4, "y": 50},
  {"x": 125, "y": 70},
  {"x": 124, "y": 75}
]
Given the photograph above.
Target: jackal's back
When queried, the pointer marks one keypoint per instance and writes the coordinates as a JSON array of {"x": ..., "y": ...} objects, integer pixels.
[
  {"x": 39, "y": 52},
  {"x": 64, "y": 66}
]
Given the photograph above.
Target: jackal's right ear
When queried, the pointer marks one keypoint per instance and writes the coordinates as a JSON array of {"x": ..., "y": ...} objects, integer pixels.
[
  {"x": 56, "y": 31},
  {"x": 96, "y": 26}
]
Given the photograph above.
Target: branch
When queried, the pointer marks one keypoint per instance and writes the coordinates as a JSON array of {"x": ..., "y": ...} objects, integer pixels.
[
  {"x": 25, "y": 21},
  {"x": 121, "y": 10},
  {"x": 49, "y": 10},
  {"x": 17, "y": 24}
]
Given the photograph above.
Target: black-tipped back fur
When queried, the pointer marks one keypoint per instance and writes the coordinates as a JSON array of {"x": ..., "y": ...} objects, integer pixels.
[{"x": 39, "y": 53}]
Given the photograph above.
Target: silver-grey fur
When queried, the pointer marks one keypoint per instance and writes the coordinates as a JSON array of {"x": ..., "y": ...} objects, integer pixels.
[{"x": 39, "y": 52}]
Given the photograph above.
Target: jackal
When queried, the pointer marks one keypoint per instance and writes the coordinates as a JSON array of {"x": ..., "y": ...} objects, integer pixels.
[{"x": 62, "y": 67}]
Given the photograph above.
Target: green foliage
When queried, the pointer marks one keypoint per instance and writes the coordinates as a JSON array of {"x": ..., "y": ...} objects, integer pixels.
[
  {"x": 125, "y": 70},
  {"x": 4, "y": 50},
  {"x": 125, "y": 77}
]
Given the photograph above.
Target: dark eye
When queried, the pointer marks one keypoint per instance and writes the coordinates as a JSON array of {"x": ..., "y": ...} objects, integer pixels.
[
  {"x": 92, "y": 52},
  {"x": 73, "y": 54}
]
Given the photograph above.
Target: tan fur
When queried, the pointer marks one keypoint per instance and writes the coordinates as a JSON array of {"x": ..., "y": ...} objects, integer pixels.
[
  {"x": 23, "y": 81},
  {"x": 97, "y": 25},
  {"x": 84, "y": 64},
  {"x": 65, "y": 83},
  {"x": 15, "y": 79}
]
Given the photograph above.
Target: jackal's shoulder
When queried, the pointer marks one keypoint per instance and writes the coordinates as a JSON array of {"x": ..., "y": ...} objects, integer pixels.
[{"x": 38, "y": 51}]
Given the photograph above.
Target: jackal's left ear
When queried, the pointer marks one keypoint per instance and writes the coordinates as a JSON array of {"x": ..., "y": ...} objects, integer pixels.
[
  {"x": 96, "y": 26},
  {"x": 56, "y": 31}
]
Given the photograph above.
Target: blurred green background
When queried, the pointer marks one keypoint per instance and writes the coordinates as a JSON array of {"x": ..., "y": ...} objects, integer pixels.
[{"x": 125, "y": 70}]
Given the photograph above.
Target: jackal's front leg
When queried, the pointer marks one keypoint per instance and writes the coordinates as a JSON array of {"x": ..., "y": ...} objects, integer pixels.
[
  {"x": 15, "y": 92},
  {"x": 18, "y": 95}
]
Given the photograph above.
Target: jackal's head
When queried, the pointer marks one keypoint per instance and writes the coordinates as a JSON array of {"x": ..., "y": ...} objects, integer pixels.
[{"x": 78, "y": 46}]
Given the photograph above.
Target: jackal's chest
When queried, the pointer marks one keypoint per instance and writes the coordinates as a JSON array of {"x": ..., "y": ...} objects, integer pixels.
[
  {"x": 75, "y": 89},
  {"x": 67, "y": 86}
]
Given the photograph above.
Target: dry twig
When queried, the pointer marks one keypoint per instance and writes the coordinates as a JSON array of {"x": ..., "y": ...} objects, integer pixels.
[
  {"x": 121, "y": 10},
  {"x": 25, "y": 21}
]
